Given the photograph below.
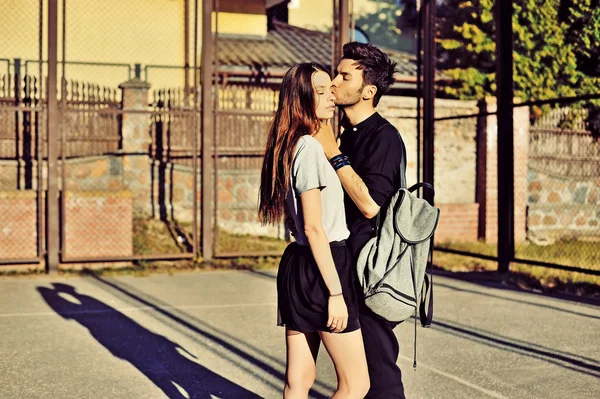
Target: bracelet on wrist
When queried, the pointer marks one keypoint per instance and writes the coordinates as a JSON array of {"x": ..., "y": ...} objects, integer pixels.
[
  {"x": 340, "y": 165},
  {"x": 339, "y": 161},
  {"x": 338, "y": 294},
  {"x": 337, "y": 158}
]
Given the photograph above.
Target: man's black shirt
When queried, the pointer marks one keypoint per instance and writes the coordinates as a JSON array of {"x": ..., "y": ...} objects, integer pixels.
[{"x": 375, "y": 150}]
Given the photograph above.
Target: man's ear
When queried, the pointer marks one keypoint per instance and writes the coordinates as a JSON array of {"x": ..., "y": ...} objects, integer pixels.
[{"x": 369, "y": 92}]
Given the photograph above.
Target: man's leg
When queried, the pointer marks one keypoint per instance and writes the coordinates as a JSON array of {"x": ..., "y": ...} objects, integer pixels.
[{"x": 382, "y": 349}]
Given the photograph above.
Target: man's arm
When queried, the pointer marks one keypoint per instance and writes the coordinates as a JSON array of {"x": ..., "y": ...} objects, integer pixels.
[
  {"x": 352, "y": 182},
  {"x": 357, "y": 190}
]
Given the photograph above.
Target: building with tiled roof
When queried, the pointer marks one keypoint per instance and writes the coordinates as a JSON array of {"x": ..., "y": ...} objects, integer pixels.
[{"x": 267, "y": 58}]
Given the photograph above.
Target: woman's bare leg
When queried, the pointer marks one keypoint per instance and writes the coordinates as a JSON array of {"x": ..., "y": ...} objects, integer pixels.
[
  {"x": 301, "y": 368},
  {"x": 348, "y": 354}
]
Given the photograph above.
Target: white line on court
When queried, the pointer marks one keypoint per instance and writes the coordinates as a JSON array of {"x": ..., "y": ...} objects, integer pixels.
[
  {"x": 144, "y": 308},
  {"x": 457, "y": 379}
]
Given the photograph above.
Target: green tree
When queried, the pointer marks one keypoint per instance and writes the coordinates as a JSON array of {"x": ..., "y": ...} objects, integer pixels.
[
  {"x": 583, "y": 31},
  {"x": 392, "y": 25},
  {"x": 466, "y": 47},
  {"x": 546, "y": 57}
]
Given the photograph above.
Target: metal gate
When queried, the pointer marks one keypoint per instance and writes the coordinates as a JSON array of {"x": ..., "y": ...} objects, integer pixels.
[
  {"x": 128, "y": 165},
  {"x": 23, "y": 125}
]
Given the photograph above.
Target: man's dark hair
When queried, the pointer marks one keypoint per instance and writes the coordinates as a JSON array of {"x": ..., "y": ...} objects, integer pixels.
[{"x": 377, "y": 68}]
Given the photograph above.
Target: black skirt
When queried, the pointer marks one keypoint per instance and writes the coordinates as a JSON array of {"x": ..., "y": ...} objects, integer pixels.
[{"x": 303, "y": 297}]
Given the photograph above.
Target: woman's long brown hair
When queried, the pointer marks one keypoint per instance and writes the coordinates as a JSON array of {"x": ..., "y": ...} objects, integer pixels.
[{"x": 296, "y": 116}]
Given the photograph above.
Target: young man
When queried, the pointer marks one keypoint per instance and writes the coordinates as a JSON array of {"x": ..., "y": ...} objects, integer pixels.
[{"x": 373, "y": 148}]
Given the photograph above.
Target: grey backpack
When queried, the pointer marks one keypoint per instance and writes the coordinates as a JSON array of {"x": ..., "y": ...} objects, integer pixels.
[{"x": 392, "y": 265}]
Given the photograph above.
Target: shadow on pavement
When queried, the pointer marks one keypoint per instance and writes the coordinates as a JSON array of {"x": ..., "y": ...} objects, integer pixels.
[
  {"x": 581, "y": 364},
  {"x": 165, "y": 363},
  {"x": 221, "y": 338},
  {"x": 491, "y": 280}
]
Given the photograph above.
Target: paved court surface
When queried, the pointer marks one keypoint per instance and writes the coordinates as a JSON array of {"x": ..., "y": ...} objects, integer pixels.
[{"x": 213, "y": 335}]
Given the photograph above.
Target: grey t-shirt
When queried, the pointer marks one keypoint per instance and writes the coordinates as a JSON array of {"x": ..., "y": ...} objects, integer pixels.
[{"x": 311, "y": 169}]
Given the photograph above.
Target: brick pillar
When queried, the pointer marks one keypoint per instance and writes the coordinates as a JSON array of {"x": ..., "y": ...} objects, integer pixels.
[
  {"x": 521, "y": 143},
  {"x": 135, "y": 138},
  {"x": 487, "y": 170}
]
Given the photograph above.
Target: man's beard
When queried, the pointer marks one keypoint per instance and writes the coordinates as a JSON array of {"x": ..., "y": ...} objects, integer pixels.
[{"x": 350, "y": 100}]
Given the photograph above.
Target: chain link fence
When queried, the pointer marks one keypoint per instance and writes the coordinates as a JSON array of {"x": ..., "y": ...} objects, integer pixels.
[
  {"x": 563, "y": 187},
  {"x": 555, "y": 148},
  {"x": 131, "y": 175}
]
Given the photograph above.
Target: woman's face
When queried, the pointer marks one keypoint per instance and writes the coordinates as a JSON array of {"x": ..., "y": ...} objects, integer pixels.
[{"x": 324, "y": 98}]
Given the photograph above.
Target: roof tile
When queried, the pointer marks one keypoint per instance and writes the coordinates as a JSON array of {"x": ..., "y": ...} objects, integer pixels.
[{"x": 287, "y": 45}]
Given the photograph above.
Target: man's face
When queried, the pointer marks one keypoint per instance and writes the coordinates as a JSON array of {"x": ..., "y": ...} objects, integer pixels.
[{"x": 348, "y": 83}]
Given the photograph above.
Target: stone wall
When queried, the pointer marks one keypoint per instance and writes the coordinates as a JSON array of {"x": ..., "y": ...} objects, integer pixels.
[
  {"x": 237, "y": 204},
  {"x": 560, "y": 208},
  {"x": 99, "y": 173},
  {"x": 236, "y": 192}
]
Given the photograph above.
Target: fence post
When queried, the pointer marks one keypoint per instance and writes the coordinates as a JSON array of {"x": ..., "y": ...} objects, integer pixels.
[
  {"x": 17, "y": 79},
  {"x": 18, "y": 125},
  {"x": 135, "y": 138},
  {"x": 52, "y": 208},
  {"x": 505, "y": 94},
  {"x": 206, "y": 82},
  {"x": 429, "y": 63}
]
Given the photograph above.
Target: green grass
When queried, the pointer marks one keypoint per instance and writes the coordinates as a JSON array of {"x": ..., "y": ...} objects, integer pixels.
[
  {"x": 579, "y": 254},
  {"x": 153, "y": 237},
  {"x": 246, "y": 243},
  {"x": 574, "y": 253},
  {"x": 582, "y": 254}
]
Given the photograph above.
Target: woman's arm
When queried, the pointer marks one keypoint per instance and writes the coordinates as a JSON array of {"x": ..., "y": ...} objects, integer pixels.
[
  {"x": 319, "y": 245},
  {"x": 317, "y": 239}
]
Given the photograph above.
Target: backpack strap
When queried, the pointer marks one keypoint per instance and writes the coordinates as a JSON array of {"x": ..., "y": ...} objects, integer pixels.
[
  {"x": 421, "y": 185},
  {"x": 403, "y": 182},
  {"x": 427, "y": 314}
]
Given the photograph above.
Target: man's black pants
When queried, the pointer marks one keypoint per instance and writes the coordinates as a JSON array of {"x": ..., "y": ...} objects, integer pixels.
[{"x": 381, "y": 347}]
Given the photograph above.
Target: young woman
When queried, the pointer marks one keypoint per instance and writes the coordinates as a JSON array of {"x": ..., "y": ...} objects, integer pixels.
[{"x": 316, "y": 293}]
